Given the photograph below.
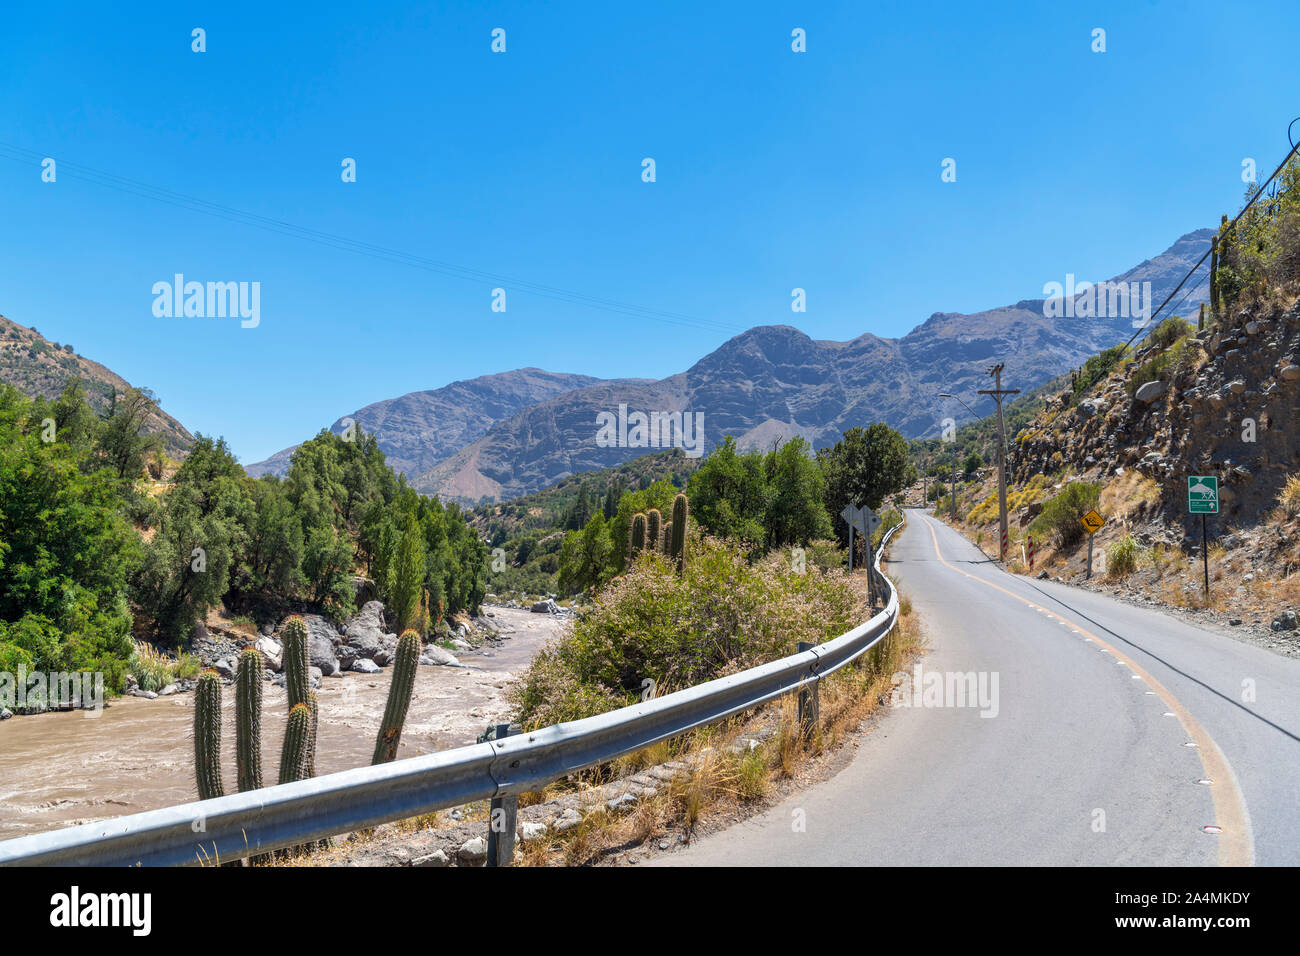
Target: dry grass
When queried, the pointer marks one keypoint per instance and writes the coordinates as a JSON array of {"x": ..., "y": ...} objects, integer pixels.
[
  {"x": 721, "y": 778},
  {"x": 1288, "y": 498},
  {"x": 1123, "y": 496}
]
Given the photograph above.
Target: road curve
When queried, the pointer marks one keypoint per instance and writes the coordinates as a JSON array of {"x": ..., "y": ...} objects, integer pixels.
[{"x": 1119, "y": 735}]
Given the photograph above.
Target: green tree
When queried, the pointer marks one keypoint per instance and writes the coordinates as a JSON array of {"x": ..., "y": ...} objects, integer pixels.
[
  {"x": 729, "y": 494},
  {"x": 66, "y": 552},
  {"x": 123, "y": 443},
  {"x": 406, "y": 575},
  {"x": 202, "y": 531},
  {"x": 585, "y": 556},
  {"x": 864, "y": 468},
  {"x": 796, "y": 512}
]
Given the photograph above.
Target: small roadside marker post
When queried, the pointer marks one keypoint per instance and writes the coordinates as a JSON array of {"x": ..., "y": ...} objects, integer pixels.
[
  {"x": 1203, "y": 499},
  {"x": 809, "y": 702},
  {"x": 502, "y": 814},
  {"x": 1031, "y": 552}
]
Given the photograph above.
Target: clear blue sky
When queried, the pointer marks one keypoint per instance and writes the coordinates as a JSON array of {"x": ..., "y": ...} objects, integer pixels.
[{"x": 775, "y": 170}]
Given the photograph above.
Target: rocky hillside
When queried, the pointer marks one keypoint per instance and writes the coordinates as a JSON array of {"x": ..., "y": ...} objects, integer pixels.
[
  {"x": 1224, "y": 402},
  {"x": 36, "y": 366},
  {"x": 774, "y": 381},
  {"x": 418, "y": 429}
]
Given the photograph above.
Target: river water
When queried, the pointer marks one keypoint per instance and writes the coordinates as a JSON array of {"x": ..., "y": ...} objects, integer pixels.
[{"x": 66, "y": 768}]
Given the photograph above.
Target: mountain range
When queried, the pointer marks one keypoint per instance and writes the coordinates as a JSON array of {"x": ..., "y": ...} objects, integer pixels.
[{"x": 510, "y": 434}]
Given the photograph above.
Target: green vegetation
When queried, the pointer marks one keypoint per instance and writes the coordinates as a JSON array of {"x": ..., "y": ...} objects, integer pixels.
[
  {"x": 93, "y": 544},
  {"x": 1257, "y": 259},
  {"x": 1095, "y": 369},
  {"x": 936, "y": 456},
  {"x": 1122, "y": 557},
  {"x": 720, "y": 614},
  {"x": 1171, "y": 362},
  {"x": 530, "y": 531},
  {"x": 1061, "y": 515},
  {"x": 865, "y": 467}
]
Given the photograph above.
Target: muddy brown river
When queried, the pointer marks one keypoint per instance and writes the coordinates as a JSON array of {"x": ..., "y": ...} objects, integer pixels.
[{"x": 61, "y": 769}]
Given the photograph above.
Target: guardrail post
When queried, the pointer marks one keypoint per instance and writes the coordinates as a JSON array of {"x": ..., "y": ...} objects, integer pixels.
[
  {"x": 809, "y": 702},
  {"x": 502, "y": 816}
]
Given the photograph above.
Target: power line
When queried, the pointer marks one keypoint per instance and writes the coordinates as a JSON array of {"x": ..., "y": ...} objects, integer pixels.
[
  {"x": 360, "y": 247},
  {"x": 1259, "y": 192}
]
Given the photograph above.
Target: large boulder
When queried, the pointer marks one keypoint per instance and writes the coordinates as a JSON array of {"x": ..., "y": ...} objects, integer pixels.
[
  {"x": 322, "y": 638},
  {"x": 1150, "y": 391},
  {"x": 365, "y": 638},
  {"x": 433, "y": 654},
  {"x": 272, "y": 652}
]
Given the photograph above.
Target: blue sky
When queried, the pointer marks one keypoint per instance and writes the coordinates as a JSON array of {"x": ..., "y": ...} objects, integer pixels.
[{"x": 775, "y": 170}]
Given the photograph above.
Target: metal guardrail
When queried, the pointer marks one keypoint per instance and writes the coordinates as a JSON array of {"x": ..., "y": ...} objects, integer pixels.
[{"x": 259, "y": 821}]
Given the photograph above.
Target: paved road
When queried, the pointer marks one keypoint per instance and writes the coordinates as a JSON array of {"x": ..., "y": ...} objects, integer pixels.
[{"x": 1088, "y": 757}]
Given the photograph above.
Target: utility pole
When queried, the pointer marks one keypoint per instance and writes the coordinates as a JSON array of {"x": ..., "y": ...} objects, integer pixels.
[
  {"x": 952, "y": 489},
  {"x": 997, "y": 391}
]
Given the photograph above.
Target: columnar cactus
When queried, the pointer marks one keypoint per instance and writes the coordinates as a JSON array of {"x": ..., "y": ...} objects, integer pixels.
[
  {"x": 313, "y": 705},
  {"x": 405, "y": 662},
  {"x": 638, "y": 535},
  {"x": 296, "y": 675},
  {"x": 677, "y": 540},
  {"x": 249, "y": 678},
  {"x": 653, "y": 520},
  {"x": 207, "y": 736},
  {"x": 293, "y": 756}
]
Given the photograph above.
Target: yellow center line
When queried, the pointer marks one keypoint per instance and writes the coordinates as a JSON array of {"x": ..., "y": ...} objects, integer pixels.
[{"x": 1236, "y": 846}]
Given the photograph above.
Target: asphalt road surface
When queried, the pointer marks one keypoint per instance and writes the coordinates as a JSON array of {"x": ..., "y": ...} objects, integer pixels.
[{"x": 1116, "y": 736}]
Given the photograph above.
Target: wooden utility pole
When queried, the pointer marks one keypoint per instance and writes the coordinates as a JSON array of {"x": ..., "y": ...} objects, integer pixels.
[{"x": 997, "y": 391}]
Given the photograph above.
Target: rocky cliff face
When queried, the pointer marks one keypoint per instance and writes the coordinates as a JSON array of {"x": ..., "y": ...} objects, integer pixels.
[{"x": 1230, "y": 407}]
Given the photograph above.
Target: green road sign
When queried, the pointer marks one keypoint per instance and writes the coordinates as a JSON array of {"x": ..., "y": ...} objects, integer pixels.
[{"x": 1202, "y": 494}]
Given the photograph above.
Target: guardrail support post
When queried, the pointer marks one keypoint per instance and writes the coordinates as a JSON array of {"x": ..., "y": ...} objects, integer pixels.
[
  {"x": 502, "y": 818},
  {"x": 809, "y": 702}
]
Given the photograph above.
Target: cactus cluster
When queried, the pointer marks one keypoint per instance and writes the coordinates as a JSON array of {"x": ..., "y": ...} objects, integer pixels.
[
  {"x": 649, "y": 532},
  {"x": 298, "y": 753},
  {"x": 405, "y": 663}
]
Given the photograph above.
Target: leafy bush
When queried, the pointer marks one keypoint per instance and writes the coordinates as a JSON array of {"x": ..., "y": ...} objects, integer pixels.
[
  {"x": 1259, "y": 261},
  {"x": 1168, "y": 332},
  {"x": 720, "y": 615},
  {"x": 1061, "y": 515},
  {"x": 1122, "y": 557},
  {"x": 1170, "y": 363},
  {"x": 1289, "y": 496},
  {"x": 1096, "y": 368}
]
